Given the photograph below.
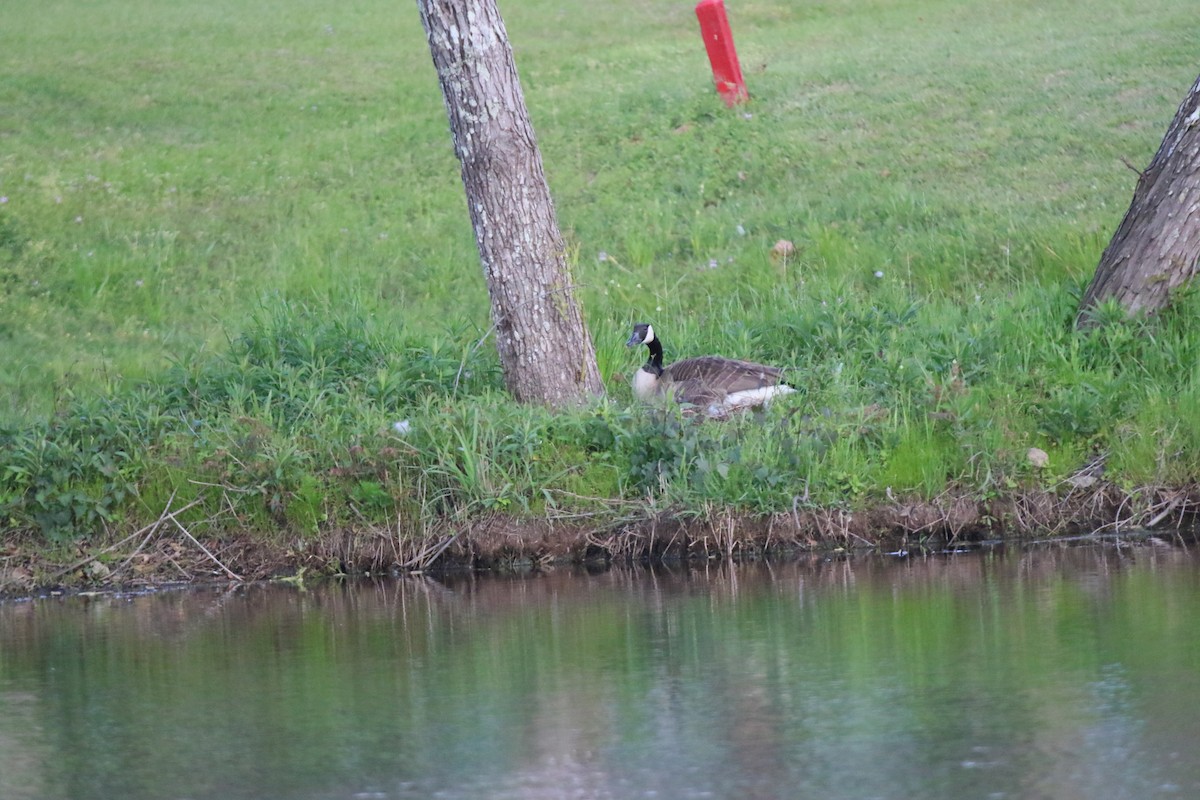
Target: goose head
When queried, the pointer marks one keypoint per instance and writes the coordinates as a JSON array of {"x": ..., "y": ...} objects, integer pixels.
[{"x": 643, "y": 333}]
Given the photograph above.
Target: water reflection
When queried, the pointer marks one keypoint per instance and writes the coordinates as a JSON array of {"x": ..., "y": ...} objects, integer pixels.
[{"x": 1047, "y": 673}]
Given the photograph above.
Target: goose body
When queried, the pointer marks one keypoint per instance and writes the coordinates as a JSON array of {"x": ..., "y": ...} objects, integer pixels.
[{"x": 714, "y": 384}]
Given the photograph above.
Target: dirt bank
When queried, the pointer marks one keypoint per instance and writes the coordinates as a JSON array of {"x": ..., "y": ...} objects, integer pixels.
[{"x": 166, "y": 554}]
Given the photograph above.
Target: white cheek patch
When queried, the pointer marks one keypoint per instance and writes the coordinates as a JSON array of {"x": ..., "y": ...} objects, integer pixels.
[{"x": 649, "y": 335}]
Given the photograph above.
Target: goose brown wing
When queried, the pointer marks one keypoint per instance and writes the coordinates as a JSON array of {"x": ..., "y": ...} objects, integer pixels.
[
  {"x": 721, "y": 376},
  {"x": 697, "y": 393}
]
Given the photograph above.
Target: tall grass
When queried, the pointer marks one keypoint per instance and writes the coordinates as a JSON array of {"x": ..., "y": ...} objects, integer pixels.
[{"x": 234, "y": 254}]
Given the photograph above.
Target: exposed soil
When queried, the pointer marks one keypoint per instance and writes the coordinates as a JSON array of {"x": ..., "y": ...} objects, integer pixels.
[{"x": 163, "y": 553}]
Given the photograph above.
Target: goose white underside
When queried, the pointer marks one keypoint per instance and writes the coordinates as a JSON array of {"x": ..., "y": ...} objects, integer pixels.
[
  {"x": 755, "y": 397},
  {"x": 748, "y": 399}
]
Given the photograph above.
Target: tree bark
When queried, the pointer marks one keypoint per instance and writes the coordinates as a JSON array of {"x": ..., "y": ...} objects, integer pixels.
[
  {"x": 1156, "y": 247},
  {"x": 545, "y": 349}
]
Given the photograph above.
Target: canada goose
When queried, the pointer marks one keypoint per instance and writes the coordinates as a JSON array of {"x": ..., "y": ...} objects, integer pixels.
[{"x": 715, "y": 384}]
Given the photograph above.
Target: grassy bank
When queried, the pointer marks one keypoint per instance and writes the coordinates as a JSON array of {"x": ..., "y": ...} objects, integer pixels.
[{"x": 236, "y": 270}]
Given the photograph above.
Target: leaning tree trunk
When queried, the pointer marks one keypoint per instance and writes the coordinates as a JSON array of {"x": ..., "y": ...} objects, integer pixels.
[
  {"x": 545, "y": 349},
  {"x": 1156, "y": 247}
]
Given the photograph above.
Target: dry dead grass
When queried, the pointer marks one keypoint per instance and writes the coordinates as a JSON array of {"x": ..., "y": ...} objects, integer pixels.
[{"x": 169, "y": 553}]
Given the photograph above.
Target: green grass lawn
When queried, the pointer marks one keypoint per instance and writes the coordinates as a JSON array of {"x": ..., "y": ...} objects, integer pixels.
[{"x": 256, "y": 209}]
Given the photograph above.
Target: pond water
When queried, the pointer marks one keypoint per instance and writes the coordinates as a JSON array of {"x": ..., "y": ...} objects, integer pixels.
[{"x": 1051, "y": 672}]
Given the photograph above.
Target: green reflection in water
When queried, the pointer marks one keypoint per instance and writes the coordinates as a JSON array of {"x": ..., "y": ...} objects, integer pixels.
[{"x": 1055, "y": 673}]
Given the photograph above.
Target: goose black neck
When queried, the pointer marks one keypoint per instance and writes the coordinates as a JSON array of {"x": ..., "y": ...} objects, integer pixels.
[{"x": 656, "y": 356}]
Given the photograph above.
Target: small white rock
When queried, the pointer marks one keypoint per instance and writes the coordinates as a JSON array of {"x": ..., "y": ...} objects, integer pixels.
[{"x": 1037, "y": 457}]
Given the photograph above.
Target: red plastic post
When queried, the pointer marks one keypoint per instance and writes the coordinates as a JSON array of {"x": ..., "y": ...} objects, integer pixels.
[{"x": 718, "y": 41}]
